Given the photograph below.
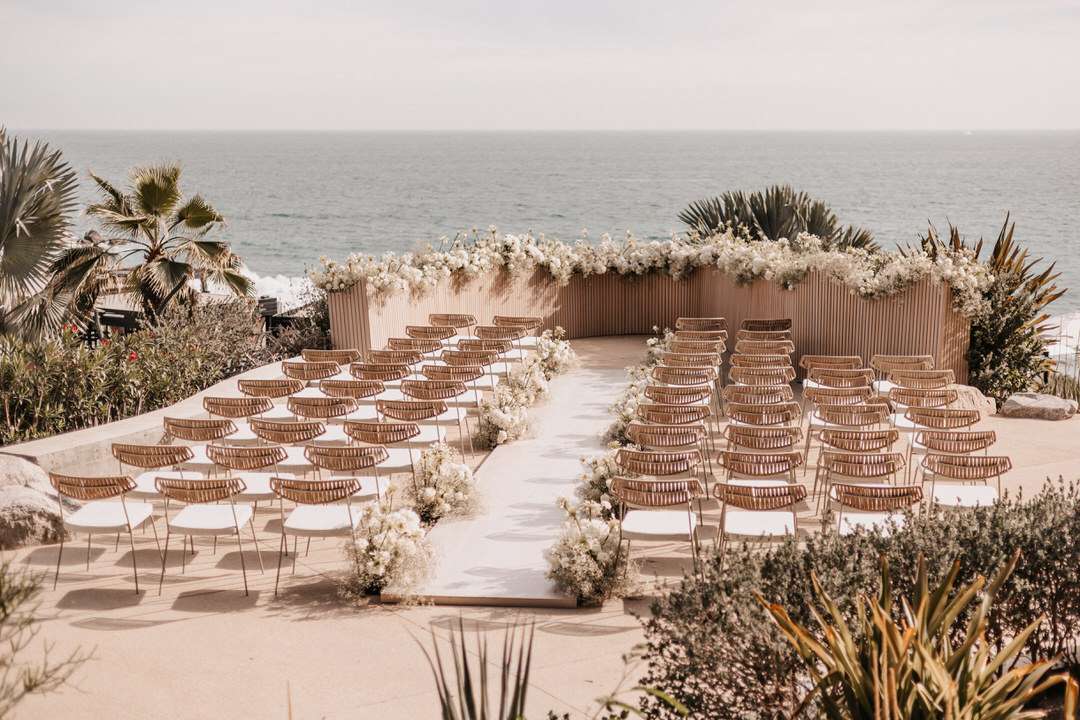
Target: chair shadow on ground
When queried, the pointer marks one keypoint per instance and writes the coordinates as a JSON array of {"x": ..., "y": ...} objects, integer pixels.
[
  {"x": 105, "y": 598},
  {"x": 216, "y": 600},
  {"x": 73, "y": 555}
]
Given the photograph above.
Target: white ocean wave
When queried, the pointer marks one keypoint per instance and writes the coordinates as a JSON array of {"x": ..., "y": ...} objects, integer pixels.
[{"x": 289, "y": 291}]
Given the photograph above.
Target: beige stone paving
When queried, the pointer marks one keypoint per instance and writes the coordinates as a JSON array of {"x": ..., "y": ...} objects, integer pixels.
[{"x": 201, "y": 649}]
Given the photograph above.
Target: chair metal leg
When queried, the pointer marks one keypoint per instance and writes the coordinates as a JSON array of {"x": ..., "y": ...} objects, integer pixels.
[
  {"x": 243, "y": 567},
  {"x": 255, "y": 541},
  {"x": 116, "y": 547},
  {"x": 295, "y": 545},
  {"x": 164, "y": 557},
  {"x": 134, "y": 566},
  {"x": 59, "y": 554},
  {"x": 283, "y": 546},
  {"x": 88, "y": 536}
]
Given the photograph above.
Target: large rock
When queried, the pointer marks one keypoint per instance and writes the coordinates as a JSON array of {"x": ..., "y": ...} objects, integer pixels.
[
  {"x": 29, "y": 513},
  {"x": 972, "y": 397},
  {"x": 1038, "y": 406}
]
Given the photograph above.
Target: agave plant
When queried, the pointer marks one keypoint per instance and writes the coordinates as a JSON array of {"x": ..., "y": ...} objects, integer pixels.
[
  {"x": 37, "y": 197},
  {"x": 778, "y": 212},
  {"x": 902, "y": 663},
  {"x": 1008, "y": 351},
  {"x": 158, "y": 236}
]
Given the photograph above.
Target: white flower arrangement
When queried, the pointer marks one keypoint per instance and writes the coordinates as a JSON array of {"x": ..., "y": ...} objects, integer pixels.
[
  {"x": 595, "y": 482},
  {"x": 786, "y": 262},
  {"x": 588, "y": 559},
  {"x": 443, "y": 485},
  {"x": 626, "y": 404},
  {"x": 504, "y": 416},
  {"x": 554, "y": 353},
  {"x": 391, "y": 550}
]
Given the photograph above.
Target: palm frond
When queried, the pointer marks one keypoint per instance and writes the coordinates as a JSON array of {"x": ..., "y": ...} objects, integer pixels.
[
  {"x": 197, "y": 214},
  {"x": 155, "y": 190}
]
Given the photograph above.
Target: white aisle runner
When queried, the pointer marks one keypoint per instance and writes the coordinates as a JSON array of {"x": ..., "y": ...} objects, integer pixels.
[{"x": 497, "y": 557}]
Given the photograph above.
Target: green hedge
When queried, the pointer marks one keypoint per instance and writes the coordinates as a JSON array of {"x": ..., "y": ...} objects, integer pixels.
[
  {"x": 60, "y": 384},
  {"x": 711, "y": 646}
]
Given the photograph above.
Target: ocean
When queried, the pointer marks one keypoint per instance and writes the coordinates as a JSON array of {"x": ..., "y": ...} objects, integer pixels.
[{"x": 291, "y": 197}]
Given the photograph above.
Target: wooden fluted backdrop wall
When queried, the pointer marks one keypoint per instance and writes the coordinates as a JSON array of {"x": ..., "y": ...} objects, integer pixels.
[{"x": 827, "y": 318}]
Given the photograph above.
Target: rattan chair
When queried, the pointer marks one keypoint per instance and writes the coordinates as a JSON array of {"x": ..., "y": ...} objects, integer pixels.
[
  {"x": 716, "y": 347},
  {"x": 101, "y": 513},
  {"x": 431, "y": 415},
  {"x": 658, "y": 510},
  {"x": 702, "y": 324},
  {"x": 955, "y": 479},
  {"x": 420, "y": 345},
  {"x": 679, "y": 395},
  {"x": 338, "y": 357},
  {"x": 199, "y": 429},
  {"x": 757, "y": 415},
  {"x": 676, "y": 359},
  {"x": 309, "y": 371},
  {"x": 764, "y": 347},
  {"x": 757, "y": 466},
  {"x": 872, "y": 506},
  {"x": 770, "y": 335},
  {"x": 683, "y": 376},
  {"x": 355, "y": 389},
  {"x": 758, "y": 394},
  {"x": 411, "y": 358},
  {"x": 469, "y": 375},
  {"x": 326, "y": 408},
  {"x": 747, "y": 438},
  {"x": 210, "y": 510},
  {"x": 153, "y": 461},
  {"x": 868, "y": 468},
  {"x": 503, "y": 350},
  {"x": 323, "y": 508},
  {"x": 293, "y": 432},
  {"x": 448, "y": 392},
  {"x": 885, "y": 364},
  {"x": 388, "y": 374},
  {"x": 351, "y": 460},
  {"x": 702, "y": 335},
  {"x": 953, "y": 442},
  {"x": 663, "y": 414},
  {"x": 453, "y": 320},
  {"x": 830, "y": 362},
  {"x": 903, "y": 398},
  {"x": 820, "y": 377},
  {"x": 431, "y": 332},
  {"x": 919, "y": 379},
  {"x": 838, "y": 396},
  {"x": 397, "y": 437},
  {"x": 653, "y": 436},
  {"x": 871, "y": 416},
  {"x": 761, "y": 511},
  {"x": 529, "y": 323},
  {"x": 761, "y": 376},
  {"x": 243, "y": 407},
  {"x": 766, "y": 324},
  {"x": 859, "y": 441},
  {"x": 473, "y": 358},
  {"x": 255, "y": 465},
  {"x": 761, "y": 361},
  {"x": 273, "y": 388},
  {"x": 917, "y": 418}
]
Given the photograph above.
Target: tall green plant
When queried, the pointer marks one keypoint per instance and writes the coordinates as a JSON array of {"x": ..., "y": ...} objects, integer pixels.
[
  {"x": 778, "y": 212},
  {"x": 903, "y": 663},
  {"x": 37, "y": 198},
  {"x": 161, "y": 238},
  {"x": 1008, "y": 349}
]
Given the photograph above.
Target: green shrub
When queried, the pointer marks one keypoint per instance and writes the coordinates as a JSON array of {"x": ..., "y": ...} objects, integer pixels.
[
  {"x": 713, "y": 647},
  {"x": 60, "y": 384}
]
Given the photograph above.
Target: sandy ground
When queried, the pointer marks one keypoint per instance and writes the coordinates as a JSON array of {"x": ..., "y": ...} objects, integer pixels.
[{"x": 202, "y": 649}]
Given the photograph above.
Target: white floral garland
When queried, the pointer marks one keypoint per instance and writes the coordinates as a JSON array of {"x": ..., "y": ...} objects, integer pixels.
[
  {"x": 866, "y": 274},
  {"x": 588, "y": 559}
]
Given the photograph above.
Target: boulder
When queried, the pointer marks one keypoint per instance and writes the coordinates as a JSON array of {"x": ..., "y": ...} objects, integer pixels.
[
  {"x": 29, "y": 513},
  {"x": 1038, "y": 406},
  {"x": 972, "y": 397}
]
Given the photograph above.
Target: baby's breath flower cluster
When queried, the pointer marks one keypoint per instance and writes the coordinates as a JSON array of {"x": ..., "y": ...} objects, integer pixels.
[
  {"x": 443, "y": 485},
  {"x": 588, "y": 560},
  {"x": 624, "y": 409},
  {"x": 391, "y": 550},
  {"x": 504, "y": 415},
  {"x": 595, "y": 482},
  {"x": 786, "y": 262},
  {"x": 554, "y": 353}
]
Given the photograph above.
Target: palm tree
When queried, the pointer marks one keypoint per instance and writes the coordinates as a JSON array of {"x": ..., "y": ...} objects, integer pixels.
[
  {"x": 779, "y": 212},
  {"x": 37, "y": 197},
  {"x": 158, "y": 236}
]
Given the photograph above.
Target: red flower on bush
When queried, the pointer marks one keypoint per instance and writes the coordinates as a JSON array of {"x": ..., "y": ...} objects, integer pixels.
[
  {"x": 105, "y": 341},
  {"x": 133, "y": 356}
]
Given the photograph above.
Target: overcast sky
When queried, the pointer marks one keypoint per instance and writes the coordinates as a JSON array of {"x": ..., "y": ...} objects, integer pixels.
[{"x": 556, "y": 64}]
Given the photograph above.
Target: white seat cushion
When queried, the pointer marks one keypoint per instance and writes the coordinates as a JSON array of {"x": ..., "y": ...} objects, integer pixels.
[
  {"x": 335, "y": 433},
  {"x": 199, "y": 459},
  {"x": 295, "y": 460},
  {"x": 882, "y": 387},
  {"x": 321, "y": 520},
  {"x": 400, "y": 460},
  {"x": 278, "y": 412},
  {"x": 210, "y": 519},
  {"x": 144, "y": 482},
  {"x": 659, "y": 524},
  {"x": 243, "y": 433},
  {"x": 754, "y": 523},
  {"x": 108, "y": 516},
  {"x": 954, "y": 495},
  {"x": 258, "y": 485}
]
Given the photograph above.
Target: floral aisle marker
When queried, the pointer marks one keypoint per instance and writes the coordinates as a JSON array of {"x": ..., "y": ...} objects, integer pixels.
[
  {"x": 443, "y": 485},
  {"x": 504, "y": 416},
  {"x": 588, "y": 560},
  {"x": 391, "y": 551},
  {"x": 786, "y": 262}
]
